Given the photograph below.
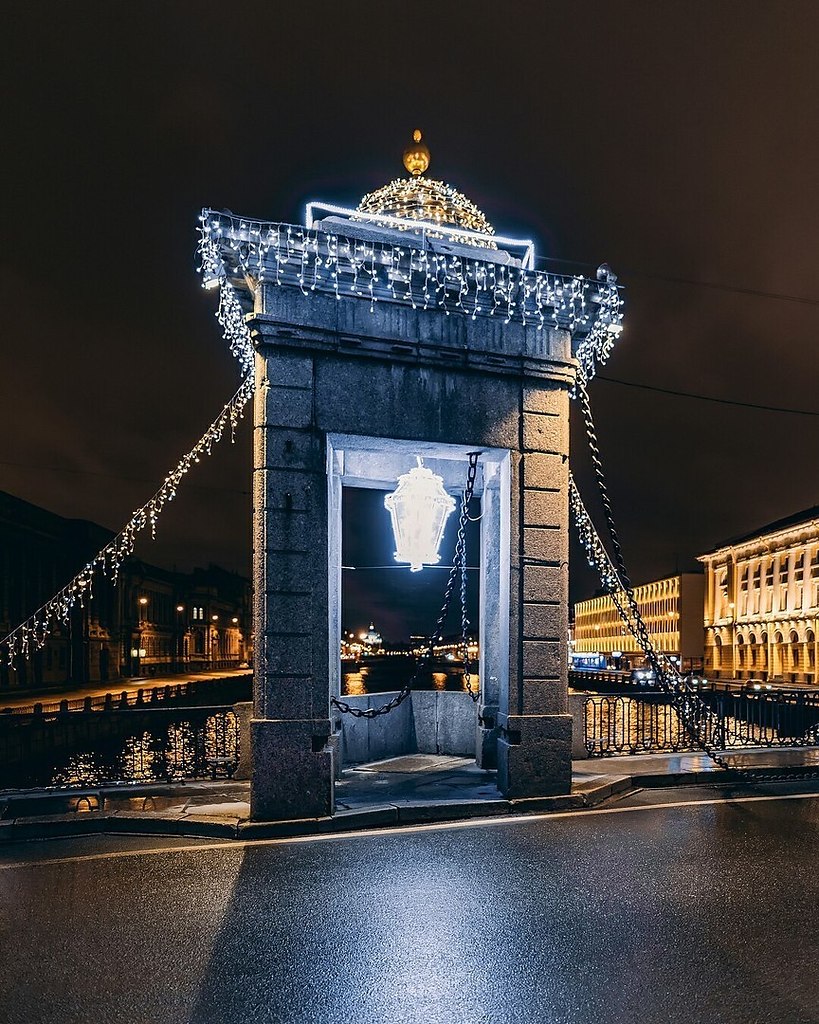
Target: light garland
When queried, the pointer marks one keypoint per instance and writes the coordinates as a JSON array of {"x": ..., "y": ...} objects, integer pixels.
[
  {"x": 426, "y": 199},
  {"x": 598, "y": 559},
  {"x": 697, "y": 718},
  {"x": 233, "y": 248},
  {"x": 31, "y": 635},
  {"x": 312, "y": 259}
]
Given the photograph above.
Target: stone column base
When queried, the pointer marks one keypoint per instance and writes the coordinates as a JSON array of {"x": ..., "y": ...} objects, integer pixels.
[
  {"x": 534, "y": 755},
  {"x": 244, "y": 716},
  {"x": 486, "y": 743},
  {"x": 292, "y": 770}
]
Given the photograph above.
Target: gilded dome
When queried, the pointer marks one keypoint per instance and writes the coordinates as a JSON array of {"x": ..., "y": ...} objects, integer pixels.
[{"x": 420, "y": 198}]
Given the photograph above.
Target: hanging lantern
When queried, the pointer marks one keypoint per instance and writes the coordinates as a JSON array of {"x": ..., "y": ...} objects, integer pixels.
[{"x": 419, "y": 508}]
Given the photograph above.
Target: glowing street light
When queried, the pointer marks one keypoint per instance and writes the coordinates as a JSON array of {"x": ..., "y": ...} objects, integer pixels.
[{"x": 419, "y": 508}]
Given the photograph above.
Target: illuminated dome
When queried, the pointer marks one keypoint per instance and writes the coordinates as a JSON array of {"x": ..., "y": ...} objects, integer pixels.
[{"x": 421, "y": 198}]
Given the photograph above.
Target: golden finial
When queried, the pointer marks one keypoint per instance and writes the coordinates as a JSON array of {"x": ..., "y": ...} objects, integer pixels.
[{"x": 416, "y": 156}]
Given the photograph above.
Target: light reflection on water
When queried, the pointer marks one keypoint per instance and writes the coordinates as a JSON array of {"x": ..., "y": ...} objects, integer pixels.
[
  {"x": 354, "y": 684},
  {"x": 389, "y": 677},
  {"x": 181, "y": 750},
  {"x": 633, "y": 724},
  {"x": 627, "y": 723}
]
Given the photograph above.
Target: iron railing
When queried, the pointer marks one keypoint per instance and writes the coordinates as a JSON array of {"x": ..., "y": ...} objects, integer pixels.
[
  {"x": 631, "y": 725},
  {"x": 119, "y": 746},
  {"x": 225, "y": 690}
]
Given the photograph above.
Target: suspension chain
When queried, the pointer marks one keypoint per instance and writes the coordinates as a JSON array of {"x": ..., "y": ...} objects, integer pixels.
[
  {"x": 460, "y": 555},
  {"x": 457, "y": 570},
  {"x": 696, "y": 717},
  {"x": 693, "y": 712}
]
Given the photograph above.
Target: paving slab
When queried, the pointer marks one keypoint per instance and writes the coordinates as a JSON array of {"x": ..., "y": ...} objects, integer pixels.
[{"x": 409, "y": 789}]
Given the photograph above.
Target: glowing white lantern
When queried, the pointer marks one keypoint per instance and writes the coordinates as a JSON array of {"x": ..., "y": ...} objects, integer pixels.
[{"x": 419, "y": 508}]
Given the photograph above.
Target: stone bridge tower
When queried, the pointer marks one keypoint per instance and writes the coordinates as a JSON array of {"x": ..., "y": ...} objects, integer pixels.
[{"x": 408, "y": 328}]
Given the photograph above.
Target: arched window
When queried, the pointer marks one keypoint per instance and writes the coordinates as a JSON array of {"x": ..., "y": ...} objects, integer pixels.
[
  {"x": 763, "y": 655},
  {"x": 777, "y": 653},
  {"x": 752, "y": 650},
  {"x": 717, "y": 652},
  {"x": 794, "y": 652}
]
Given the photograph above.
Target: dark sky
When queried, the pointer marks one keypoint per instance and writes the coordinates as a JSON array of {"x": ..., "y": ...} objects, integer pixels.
[{"x": 675, "y": 140}]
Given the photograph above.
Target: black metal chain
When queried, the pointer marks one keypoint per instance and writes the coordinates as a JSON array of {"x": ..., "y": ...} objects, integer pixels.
[
  {"x": 694, "y": 714},
  {"x": 460, "y": 546},
  {"x": 457, "y": 569}
]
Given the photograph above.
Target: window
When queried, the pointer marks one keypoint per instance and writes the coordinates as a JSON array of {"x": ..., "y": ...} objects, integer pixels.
[
  {"x": 783, "y": 570},
  {"x": 722, "y": 593},
  {"x": 814, "y": 572}
]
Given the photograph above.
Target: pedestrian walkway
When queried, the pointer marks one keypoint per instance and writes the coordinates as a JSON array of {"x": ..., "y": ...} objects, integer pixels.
[
  {"x": 27, "y": 700},
  {"x": 412, "y": 789}
]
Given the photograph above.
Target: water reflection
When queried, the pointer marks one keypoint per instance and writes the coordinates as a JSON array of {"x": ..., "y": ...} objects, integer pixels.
[
  {"x": 139, "y": 758},
  {"x": 83, "y": 769},
  {"x": 631, "y": 725},
  {"x": 196, "y": 746},
  {"x": 354, "y": 684},
  {"x": 395, "y": 673}
]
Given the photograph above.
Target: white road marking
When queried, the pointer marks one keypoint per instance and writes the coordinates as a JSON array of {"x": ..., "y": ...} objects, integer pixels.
[{"x": 238, "y": 845}]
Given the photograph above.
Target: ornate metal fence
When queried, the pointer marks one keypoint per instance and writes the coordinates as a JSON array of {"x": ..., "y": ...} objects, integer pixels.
[{"x": 641, "y": 725}]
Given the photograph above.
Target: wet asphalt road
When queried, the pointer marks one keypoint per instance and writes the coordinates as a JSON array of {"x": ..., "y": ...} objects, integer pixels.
[{"x": 658, "y": 914}]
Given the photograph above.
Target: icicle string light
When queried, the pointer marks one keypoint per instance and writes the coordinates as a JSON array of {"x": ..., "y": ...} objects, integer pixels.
[
  {"x": 599, "y": 560},
  {"x": 314, "y": 259},
  {"x": 317, "y": 260},
  {"x": 31, "y": 635}
]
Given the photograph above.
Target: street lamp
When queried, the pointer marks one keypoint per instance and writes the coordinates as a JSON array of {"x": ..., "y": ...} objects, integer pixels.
[
  {"x": 179, "y": 642},
  {"x": 419, "y": 508}
]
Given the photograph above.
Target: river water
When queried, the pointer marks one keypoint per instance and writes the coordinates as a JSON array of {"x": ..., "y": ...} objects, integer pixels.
[{"x": 384, "y": 677}]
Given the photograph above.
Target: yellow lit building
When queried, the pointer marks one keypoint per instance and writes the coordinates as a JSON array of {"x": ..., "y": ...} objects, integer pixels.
[
  {"x": 762, "y": 603},
  {"x": 672, "y": 609}
]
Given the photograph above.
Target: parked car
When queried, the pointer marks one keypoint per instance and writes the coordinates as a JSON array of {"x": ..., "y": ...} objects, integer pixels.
[{"x": 643, "y": 677}]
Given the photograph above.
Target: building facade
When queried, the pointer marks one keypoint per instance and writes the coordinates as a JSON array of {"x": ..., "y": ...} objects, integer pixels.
[
  {"x": 762, "y": 603},
  {"x": 151, "y": 622},
  {"x": 673, "y": 612}
]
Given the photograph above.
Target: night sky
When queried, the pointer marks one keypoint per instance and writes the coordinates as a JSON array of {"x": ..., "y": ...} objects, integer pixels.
[{"x": 675, "y": 140}]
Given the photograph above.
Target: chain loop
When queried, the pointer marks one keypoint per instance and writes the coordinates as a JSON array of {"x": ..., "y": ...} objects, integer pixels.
[
  {"x": 457, "y": 569},
  {"x": 697, "y": 718}
]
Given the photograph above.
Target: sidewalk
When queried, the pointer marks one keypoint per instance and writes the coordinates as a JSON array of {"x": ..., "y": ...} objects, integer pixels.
[
  {"x": 53, "y": 697},
  {"x": 409, "y": 790}
]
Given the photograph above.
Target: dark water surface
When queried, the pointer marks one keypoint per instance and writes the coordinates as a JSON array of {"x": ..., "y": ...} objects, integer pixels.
[
  {"x": 190, "y": 747},
  {"x": 394, "y": 674}
]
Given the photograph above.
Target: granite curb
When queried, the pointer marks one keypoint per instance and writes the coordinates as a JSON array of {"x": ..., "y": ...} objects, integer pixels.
[
  {"x": 95, "y": 822},
  {"x": 587, "y": 794}
]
